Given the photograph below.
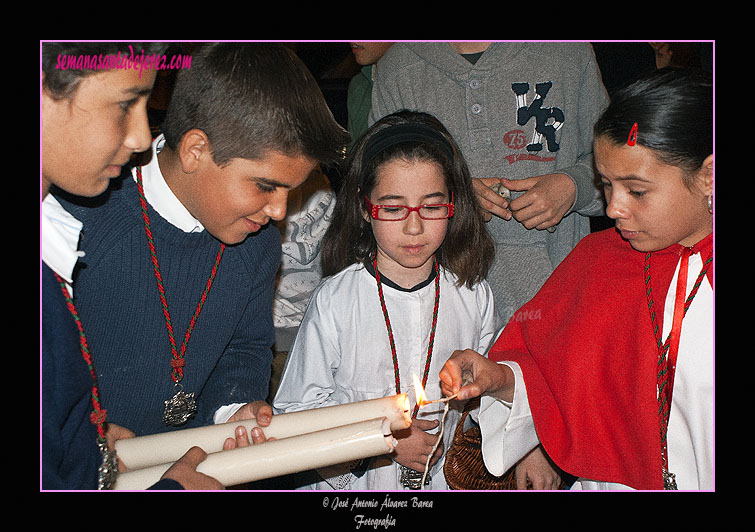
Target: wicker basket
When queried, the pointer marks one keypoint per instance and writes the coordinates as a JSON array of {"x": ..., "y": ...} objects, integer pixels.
[{"x": 464, "y": 468}]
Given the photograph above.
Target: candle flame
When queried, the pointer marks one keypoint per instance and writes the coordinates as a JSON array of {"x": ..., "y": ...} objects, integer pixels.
[{"x": 419, "y": 391}]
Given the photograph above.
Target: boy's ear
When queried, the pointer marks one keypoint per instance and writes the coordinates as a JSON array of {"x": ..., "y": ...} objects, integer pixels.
[{"x": 193, "y": 147}]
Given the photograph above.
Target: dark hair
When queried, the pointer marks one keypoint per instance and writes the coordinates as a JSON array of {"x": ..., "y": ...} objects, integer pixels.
[
  {"x": 467, "y": 250},
  {"x": 673, "y": 110},
  {"x": 61, "y": 83},
  {"x": 251, "y": 98}
]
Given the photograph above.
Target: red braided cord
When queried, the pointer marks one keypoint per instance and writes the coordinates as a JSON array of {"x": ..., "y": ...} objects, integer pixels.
[
  {"x": 664, "y": 406},
  {"x": 202, "y": 300},
  {"x": 431, "y": 343},
  {"x": 177, "y": 358},
  {"x": 156, "y": 268},
  {"x": 98, "y": 414},
  {"x": 391, "y": 340}
]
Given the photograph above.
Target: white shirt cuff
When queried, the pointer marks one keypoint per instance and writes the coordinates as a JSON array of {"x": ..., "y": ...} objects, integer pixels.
[
  {"x": 508, "y": 430},
  {"x": 223, "y": 413}
]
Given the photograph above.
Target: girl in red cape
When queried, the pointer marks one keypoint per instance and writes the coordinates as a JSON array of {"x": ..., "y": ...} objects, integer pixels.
[{"x": 610, "y": 366}]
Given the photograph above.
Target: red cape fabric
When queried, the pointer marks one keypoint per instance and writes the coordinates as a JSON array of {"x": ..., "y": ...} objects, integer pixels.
[{"x": 586, "y": 347}]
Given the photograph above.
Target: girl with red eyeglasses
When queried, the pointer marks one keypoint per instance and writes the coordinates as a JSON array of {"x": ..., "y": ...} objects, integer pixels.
[{"x": 406, "y": 255}]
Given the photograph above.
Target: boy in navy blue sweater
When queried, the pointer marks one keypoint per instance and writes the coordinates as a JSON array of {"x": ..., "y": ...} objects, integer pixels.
[{"x": 177, "y": 283}]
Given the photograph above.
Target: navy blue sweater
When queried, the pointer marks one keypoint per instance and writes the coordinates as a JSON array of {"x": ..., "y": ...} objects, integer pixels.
[{"x": 229, "y": 353}]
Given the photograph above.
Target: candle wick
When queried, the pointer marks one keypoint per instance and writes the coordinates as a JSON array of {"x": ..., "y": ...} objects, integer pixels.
[
  {"x": 442, "y": 400},
  {"x": 437, "y": 442}
]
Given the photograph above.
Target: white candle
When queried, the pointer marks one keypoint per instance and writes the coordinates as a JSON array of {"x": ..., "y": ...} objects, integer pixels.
[
  {"x": 281, "y": 457},
  {"x": 154, "y": 449}
]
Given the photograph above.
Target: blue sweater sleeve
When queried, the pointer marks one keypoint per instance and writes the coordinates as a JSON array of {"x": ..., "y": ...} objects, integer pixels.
[
  {"x": 242, "y": 373},
  {"x": 166, "y": 484}
]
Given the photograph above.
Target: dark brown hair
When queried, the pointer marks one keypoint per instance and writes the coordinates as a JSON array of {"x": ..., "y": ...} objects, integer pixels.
[
  {"x": 252, "y": 98},
  {"x": 467, "y": 250},
  {"x": 673, "y": 113}
]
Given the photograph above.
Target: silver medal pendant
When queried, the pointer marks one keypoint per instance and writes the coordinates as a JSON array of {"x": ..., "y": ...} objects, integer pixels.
[
  {"x": 180, "y": 408},
  {"x": 669, "y": 478},
  {"x": 669, "y": 481},
  {"x": 108, "y": 470},
  {"x": 412, "y": 479}
]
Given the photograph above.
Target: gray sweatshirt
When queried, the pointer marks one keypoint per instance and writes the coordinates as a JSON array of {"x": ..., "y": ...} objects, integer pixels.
[{"x": 522, "y": 110}]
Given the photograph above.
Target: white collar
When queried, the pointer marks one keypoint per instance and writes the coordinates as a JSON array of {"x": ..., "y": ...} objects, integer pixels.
[
  {"x": 161, "y": 197},
  {"x": 60, "y": 239}
]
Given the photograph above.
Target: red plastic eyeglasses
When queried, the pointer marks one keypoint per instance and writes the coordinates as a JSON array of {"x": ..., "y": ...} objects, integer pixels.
[{"x": 395, "y": 213}]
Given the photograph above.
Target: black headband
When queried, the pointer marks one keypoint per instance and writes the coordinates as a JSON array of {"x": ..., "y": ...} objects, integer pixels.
[{"x": 409, "y": 132}]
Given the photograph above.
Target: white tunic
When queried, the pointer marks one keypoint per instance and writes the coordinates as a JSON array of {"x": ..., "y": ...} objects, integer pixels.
[
  {"x": 509, "y": 432},
  {"x": 342, "y": 354}
]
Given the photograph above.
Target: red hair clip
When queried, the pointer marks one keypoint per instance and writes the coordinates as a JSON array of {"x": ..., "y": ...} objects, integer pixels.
[{"x": 632, "y": 139}]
